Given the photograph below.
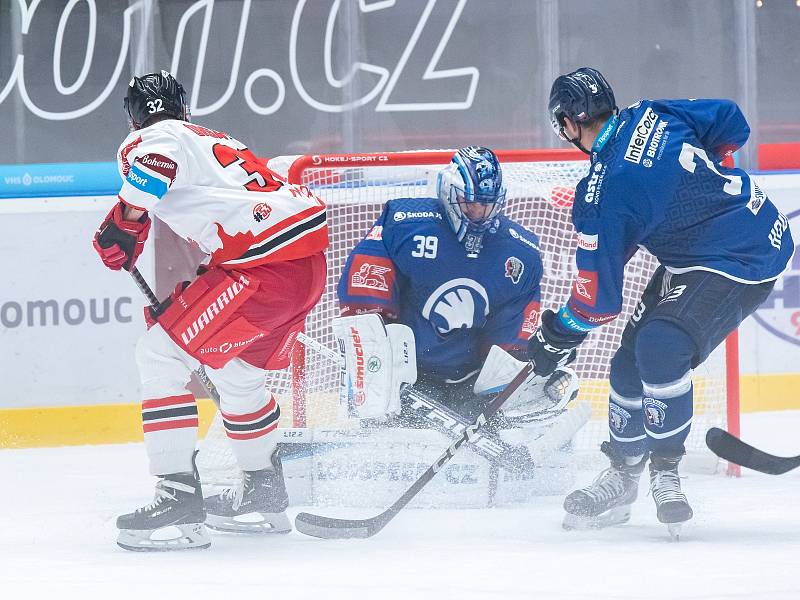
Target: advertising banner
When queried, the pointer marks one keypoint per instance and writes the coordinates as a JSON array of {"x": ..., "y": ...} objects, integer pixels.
[{"x": 68, "y": 325}]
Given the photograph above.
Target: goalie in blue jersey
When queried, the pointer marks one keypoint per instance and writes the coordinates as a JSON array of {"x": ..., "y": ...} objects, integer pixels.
[
  {"x": 656, "y": 181},
  {"x": 458, "y": 284}
]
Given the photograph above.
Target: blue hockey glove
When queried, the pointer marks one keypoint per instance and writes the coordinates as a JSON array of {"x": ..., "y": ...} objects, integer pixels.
[{"x": 549, "y": 348}]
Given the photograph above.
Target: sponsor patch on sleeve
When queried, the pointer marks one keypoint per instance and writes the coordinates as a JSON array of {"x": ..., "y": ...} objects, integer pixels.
[
  {"x": 371, "y": 276},
  {"x": 587, "y": 242},
  {"x": 531, "y": 321},
  {"x": 158, "y": 163},
  {"x": 376, "y": 233},
  {"x": 584, "y": 287}
]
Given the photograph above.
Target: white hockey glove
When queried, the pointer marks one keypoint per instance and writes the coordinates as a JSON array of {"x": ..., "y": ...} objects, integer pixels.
[
  {"x": 541, "y": 397},
  {"x": 377, "y": 361}
]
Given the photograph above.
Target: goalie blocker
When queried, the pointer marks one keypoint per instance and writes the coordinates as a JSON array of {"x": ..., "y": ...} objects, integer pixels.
[{"x": 379, "y": 360}]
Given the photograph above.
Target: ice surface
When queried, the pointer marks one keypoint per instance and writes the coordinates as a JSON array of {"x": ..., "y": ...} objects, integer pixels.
[{"x": 59, "y": 506}]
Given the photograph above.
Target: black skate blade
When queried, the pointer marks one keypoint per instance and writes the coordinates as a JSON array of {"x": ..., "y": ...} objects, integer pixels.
[{"x": 334, "y": 529}]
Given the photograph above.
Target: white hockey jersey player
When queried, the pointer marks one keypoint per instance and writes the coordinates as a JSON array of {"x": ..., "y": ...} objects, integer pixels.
[{"x": 210, "y": 177}]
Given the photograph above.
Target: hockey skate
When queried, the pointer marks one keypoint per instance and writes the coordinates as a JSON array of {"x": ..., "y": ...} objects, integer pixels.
[
  {"x": 257, "y": 505},
  {"x": 172, "y": 521},
  {"x": 607, "y": 501},
  {"x": 672, "y": 508}
]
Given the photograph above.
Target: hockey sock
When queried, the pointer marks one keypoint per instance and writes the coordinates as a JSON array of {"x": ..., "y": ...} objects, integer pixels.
[
  {"x": 625, "y": 416},
  {"x": 170, "y": 433},
  {"x": 253, "y": 435},
  {"x": 668, "y": 415}
]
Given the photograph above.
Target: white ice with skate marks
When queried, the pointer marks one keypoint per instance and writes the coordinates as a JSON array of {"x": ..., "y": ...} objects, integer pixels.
[{"x": 59, "y": 506}]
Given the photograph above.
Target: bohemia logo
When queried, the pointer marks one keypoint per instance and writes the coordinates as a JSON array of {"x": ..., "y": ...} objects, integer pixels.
[
  {"x": 261, "y": 211},
  {"x": 780, "y": 313}
]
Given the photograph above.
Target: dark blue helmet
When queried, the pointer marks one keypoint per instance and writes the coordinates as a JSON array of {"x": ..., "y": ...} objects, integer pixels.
[
  {"x": 581, "y": 96},
  {"x": 155, "y": 94},
  {"x": 472, "y": 193}
]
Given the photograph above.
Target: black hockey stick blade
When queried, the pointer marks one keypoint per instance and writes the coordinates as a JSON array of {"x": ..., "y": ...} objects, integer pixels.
[
  {"x": 330, "y": 528},
  {"x": 734, "y": 450}
]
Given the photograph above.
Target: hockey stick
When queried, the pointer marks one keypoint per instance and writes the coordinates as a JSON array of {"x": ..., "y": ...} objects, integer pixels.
[
  {"x": 330, "y": 528},
  {"x": 734, "y": 450},
  {"x": 200, "y": 372},
  {"x": 489, "y": 445}
]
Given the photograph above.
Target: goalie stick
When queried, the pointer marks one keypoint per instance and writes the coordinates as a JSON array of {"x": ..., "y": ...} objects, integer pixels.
[
  {"x": 489, "y": 445},
  {"x": 200, "y": 372},
  {"x": 734, "y": 450},
  {"x": 331, "y": 528}
]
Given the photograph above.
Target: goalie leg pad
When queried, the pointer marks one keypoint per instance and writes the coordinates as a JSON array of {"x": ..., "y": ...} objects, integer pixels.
[{"x": 377, "y": 361}]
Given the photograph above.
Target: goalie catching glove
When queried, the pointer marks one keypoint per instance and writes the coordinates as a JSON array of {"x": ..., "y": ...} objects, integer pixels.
[
  {"x": 538, "y": 398},
  {"x": 378, "y": 360}
]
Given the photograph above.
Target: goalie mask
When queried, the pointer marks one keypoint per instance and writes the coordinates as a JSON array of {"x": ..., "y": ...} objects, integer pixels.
[
  {"x": 472, "y": 194},
  {"x": 580, "y": 96},
  {"x": 152, "y": 95}
]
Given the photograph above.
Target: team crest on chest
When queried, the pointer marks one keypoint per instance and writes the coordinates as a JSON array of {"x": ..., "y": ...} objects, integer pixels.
[
  {"x": 461, "y": 303},
  {"x": 514, "y": 269}
]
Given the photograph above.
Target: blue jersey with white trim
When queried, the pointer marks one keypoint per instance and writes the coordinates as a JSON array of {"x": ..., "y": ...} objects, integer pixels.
[
  {"x": 655, "y": 181},
  {"x": 411, "y": 268}
]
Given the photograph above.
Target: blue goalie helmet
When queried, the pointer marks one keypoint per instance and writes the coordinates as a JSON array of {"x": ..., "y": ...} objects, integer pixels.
[
  {"x": 153, "y": 95},
  {"x": 472, "y": 194}
]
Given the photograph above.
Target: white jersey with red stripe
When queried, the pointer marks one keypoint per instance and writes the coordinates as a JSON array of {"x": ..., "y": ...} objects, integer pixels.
[{"x": 211, "y": 190}]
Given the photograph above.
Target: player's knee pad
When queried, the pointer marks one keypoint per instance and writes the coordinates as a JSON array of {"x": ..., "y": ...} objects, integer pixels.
[
  {"x": 624, "y": 374},
  {"x": 664, "y": 354},
  {"x": 240, "y": 385},
  {"x": 164, "y": 369},
  {"x": 663, "y": 351}
]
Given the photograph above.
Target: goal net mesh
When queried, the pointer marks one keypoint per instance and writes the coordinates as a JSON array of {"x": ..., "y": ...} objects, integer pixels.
[{"x": 539, "y": 197}]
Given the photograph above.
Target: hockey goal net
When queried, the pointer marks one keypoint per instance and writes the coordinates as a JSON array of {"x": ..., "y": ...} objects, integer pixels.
[{"x": 540, "y": 193}]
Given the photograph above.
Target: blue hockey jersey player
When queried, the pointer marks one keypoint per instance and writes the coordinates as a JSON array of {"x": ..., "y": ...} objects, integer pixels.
[
  {"x": 456, "y": 270},
  {"x": 655, "y": 180}
]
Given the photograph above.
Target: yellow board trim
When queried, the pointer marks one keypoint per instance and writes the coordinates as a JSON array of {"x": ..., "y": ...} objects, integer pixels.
[
  {"x": 121, "y": 423},
  {"x": 81, "y": 425}
]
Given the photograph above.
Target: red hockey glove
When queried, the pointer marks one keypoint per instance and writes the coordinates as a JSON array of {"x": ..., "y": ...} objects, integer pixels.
[{"x": 119, "y": 242}]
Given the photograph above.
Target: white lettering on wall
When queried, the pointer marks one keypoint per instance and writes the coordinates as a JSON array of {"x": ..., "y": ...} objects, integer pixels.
[{"x": 379, "y": 82}]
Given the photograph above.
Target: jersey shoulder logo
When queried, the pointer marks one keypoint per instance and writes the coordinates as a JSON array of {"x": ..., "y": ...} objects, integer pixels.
[
  {"x": 457, "y": 304},
  {"x": 372, "y": 277},
  {"x": 514, "y": 269}
]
